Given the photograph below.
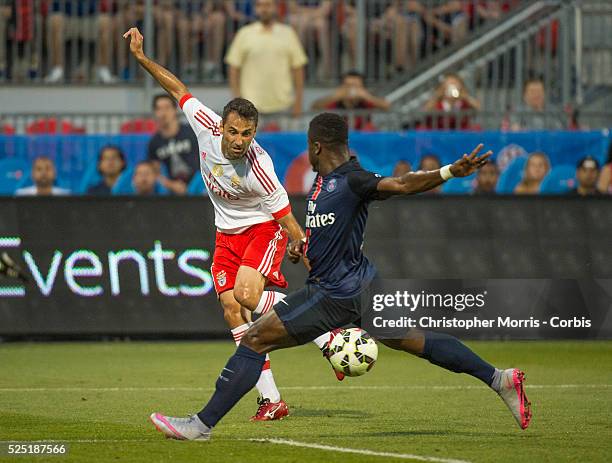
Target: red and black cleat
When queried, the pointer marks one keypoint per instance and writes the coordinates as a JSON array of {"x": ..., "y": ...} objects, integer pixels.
[
  {"x": 269, "y": 411},
  {"x": 339, "y": 374}
]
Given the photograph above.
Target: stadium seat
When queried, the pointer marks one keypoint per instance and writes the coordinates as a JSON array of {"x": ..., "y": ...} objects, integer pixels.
[
  {"x": 511, "y": 176},
  {"x": 196, "y": 186},
  {"x": 142, "y": 126},
  {"x": 6, "y": 129},
  {"x": 559, "y": 180},
  {"x": 52, "y": 125},
  {"x": 12, "y": 173},
  {"x": 459, "y": 186},
  {"x": 90, "y": 178}
]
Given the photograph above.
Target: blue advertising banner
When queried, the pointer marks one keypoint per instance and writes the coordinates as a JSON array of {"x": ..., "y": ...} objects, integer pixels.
[{"x": 378, "y": 152}]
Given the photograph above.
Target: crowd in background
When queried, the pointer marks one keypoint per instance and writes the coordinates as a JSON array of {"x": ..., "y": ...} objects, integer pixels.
[{"x": 192, "y": 35}]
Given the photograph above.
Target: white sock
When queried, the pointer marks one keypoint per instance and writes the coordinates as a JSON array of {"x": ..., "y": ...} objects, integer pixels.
[
  {"x": 265, "y": 385},
  {"x": 322, "y": 340},
  {"x": 267, "y": 301}
]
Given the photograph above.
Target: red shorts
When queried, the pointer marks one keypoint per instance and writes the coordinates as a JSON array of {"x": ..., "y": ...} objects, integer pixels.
[{"x": 261, "y": 247}]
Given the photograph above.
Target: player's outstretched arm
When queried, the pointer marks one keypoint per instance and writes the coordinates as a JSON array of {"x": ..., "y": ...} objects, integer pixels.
[
  {"x": 165, "y": 78},
  {"x": 418, "y": 182}
]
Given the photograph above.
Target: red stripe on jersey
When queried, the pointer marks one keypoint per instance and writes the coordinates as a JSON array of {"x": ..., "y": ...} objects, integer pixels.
[
  {"x": 261, "y": 168},
  {"x": 315, "y": 195},
  {"x": 184, "y": 100},
  {"x": 257, "y": 170},
  {"x": 207, "y": 118},
  {"x": 206, "y": 124},
  {"x": 268, "y": 186},
  {"x": 282, "y": 213}
]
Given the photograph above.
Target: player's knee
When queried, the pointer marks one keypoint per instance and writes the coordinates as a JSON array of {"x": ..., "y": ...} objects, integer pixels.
[{"x": 246, "y": 296}]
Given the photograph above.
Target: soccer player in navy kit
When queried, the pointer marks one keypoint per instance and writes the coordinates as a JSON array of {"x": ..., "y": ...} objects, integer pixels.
[{"x": 339, "y": 275}]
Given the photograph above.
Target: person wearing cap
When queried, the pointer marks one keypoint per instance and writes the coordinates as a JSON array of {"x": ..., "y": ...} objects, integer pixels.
[{"x": 587, "y": 173}]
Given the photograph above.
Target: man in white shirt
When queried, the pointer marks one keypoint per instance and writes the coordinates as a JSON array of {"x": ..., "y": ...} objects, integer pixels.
[
  {"x": 43, "y": 176},
  {"x": 252, "y": 212}
]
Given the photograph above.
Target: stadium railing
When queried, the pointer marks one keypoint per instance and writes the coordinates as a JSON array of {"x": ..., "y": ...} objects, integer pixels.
[{"x": 83, "y": 37}]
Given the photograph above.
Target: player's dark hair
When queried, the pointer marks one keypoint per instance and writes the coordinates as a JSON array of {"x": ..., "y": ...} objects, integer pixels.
[
  {"x": 244, "y": 108},
  {"x": 161, "y": 96},
  {"x": 115, "y": 148},
  {"x": 330, "y": 130}
]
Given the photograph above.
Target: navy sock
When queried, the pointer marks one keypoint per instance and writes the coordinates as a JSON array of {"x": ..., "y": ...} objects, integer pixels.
[
  {"x": 450, "y": 353},
  {"x": 237, "y": 378}
]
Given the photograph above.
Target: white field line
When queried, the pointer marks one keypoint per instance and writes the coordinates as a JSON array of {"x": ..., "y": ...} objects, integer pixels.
[
  {"x": 292, "y": 388},
  {"x": 330, "y": 448},
  {"x": 292, "y": 443}
]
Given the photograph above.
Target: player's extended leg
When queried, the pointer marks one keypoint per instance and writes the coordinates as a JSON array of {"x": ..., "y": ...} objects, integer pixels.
[
  {"x": 448, "y": 352},
  {"x": 238, "y": 377},
  {"x": 270, "y": 397}
]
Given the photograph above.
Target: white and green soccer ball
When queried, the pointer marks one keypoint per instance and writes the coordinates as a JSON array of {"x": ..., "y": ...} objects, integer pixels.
[{"x": 353, "y": 352}]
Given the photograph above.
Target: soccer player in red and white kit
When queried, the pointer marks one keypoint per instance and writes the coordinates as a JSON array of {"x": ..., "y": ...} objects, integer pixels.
[{"x": 252, "y": 214}]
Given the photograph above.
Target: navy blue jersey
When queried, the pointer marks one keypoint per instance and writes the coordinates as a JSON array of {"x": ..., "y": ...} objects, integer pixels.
[{"x": 335, "y": 225}]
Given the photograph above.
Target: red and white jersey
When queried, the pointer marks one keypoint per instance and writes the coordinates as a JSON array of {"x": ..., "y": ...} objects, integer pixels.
[{"x": 244, "y": 192}]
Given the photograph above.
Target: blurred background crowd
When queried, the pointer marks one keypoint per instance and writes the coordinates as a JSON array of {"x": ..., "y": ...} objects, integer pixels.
[{"x": 390, "y": 66}]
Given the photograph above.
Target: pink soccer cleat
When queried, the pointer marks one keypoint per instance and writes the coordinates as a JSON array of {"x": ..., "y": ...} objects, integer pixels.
[{"x": 512, "y": 393}]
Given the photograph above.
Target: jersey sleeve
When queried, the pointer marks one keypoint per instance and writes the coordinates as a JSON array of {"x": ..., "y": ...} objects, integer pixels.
[
  {"x": 201, "y": 118},
  {"x": 365, "y": 185},
  {"x": 266, "y": 184}
]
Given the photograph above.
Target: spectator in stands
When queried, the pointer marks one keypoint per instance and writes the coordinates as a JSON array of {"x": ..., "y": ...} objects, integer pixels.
[
  {"x": 130, "y": 13},
  {"x": 450, "y": 96},
  {"x": 43, "y": 176},
  {"x": 144, "y": 179},
  {"x": 402, "y": 167},
  {"x": 428, "y": 163},
  {"x": 449, "y": 21},
  {"x": 174, "y": 145},
  {"x": 5, "y": 15},
  {"x": 111, "y": 163},
  {"x": 400, "y": 24},
  {"x": 587, "y": 173},
  {"x": 536, "y": 168},
  {"x": 266, "y": 63},
  {"x": 203, "y": 20},
  {"x": 605, "y": 179},
  {"x": 486, "y": 179},
  {"x": 312, "y": 22},
  {"x": 352, "y": 95},
  {"x": 80, "y": 20},
  {"x": 533, "y": 113}
]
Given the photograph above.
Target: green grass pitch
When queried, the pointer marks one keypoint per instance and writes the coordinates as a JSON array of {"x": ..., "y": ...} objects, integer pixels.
[{"x": 98, "y": 396}]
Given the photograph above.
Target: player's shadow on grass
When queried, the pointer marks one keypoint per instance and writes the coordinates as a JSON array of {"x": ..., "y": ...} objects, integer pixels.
[
  {"x": 335, "y": 413},
  {"x": 426, "y": 432}
]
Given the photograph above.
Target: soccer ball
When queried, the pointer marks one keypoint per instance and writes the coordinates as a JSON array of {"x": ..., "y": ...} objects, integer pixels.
[{"x": 353, "y": 352}]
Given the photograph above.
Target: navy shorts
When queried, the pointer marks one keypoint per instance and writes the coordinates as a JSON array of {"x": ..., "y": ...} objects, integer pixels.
[{"x": 310, "y": 312}]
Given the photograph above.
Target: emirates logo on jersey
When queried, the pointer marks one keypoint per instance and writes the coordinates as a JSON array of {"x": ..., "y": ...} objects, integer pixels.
[{"x": 221, "y": 278}]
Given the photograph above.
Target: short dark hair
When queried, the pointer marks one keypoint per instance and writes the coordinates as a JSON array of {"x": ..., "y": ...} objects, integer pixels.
[
  {"x": 587, "y": 160},
  {"x": 329, "y": 129},
  {"x": 244, "y": 108},
  {"x": 353, "y": 73},
  {"x": 115, "y": 148},
  {"x": 160, "y": 96}
]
